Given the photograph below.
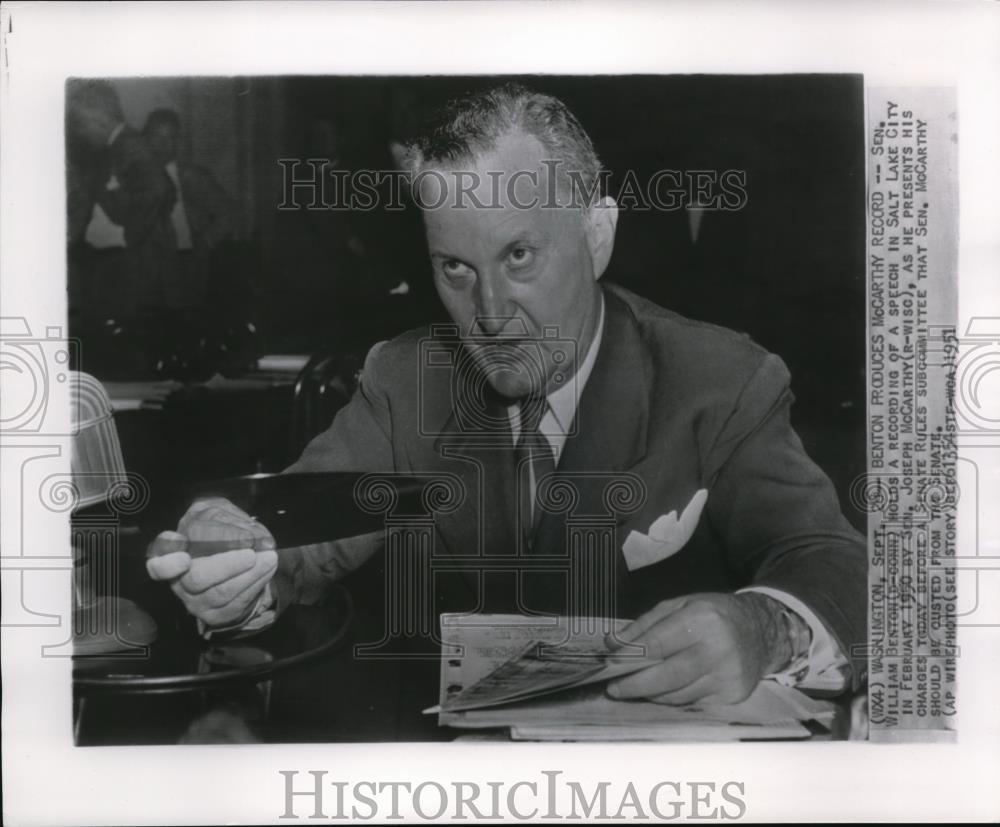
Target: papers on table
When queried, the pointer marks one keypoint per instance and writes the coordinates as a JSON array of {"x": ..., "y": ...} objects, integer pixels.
[
  {"x": 283, "y": 362},
  {"x": 675, "y": 731},
  {"x": 544, "y": 679},
  {"x": 152, "y": 395},
  {"x": 542, "y": 668},
  {"x": 134, "y": 396}
]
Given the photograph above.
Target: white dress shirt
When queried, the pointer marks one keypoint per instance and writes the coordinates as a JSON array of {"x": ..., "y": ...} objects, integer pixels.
[{"x": 178, "y": 216}]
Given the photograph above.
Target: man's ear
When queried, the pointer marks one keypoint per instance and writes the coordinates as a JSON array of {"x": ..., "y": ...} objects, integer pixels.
[{"x": 601, "y": 220}]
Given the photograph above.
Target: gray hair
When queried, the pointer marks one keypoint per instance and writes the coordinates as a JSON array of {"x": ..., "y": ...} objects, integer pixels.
[{"x": 470, "y": 125}]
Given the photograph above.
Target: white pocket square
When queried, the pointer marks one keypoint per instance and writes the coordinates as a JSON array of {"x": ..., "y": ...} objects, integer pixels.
[{"x": 667, "y": 535}]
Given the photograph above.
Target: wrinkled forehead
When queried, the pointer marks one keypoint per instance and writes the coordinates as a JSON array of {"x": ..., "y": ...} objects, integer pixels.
[{"x": 471, "y": 233}]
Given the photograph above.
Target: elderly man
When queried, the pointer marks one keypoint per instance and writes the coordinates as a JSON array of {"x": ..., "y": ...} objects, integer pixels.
[{"x": 759, "y": 575}]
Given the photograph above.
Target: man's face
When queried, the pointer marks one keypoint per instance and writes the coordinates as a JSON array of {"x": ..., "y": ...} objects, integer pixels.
[
  {"x": 92, "y": 124},
  {"x": 507, "y": 275},
  {"x": 163, "y": 140}
]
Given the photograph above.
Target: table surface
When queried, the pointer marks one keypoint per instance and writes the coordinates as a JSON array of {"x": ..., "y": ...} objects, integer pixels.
[
  {"x": 302, "y": 681},
  {"x": 153, "y": 393},
  {"x": 181, "y": 660}
]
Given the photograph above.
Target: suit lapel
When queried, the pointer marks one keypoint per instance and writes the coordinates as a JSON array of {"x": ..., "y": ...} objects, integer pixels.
[
  {"x": 479, "y": 450},
  {"x": 609, "y": 432}
]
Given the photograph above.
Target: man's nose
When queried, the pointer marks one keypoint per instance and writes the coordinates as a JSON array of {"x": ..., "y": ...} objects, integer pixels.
[{"x": 494, "y": 312}]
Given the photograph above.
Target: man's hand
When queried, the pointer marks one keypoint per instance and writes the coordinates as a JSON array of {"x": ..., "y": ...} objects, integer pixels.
[
  {"x": 221, "y": 588},
  {"x": 713, "y": 648}
]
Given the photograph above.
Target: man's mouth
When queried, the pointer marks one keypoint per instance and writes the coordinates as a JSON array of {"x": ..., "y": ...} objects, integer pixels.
[
  {"x": 513, "y": 356},
  {"x": 503, "y": 348}
]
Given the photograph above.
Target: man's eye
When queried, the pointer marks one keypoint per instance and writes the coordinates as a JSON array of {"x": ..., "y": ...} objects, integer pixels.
[
  {"x": 454, "y": 269},
  {"x": 521, "y": 257}
]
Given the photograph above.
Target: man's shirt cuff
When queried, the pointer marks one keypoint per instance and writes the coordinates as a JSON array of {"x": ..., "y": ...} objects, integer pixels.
[
  {"x": 261, "y": 616},
  {"x": 824, "y": 666}
]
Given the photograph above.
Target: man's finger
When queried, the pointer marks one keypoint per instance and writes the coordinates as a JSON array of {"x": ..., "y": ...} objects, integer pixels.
[
  {"x": 263, "y": 540},
  {"x": 699, "y": 690},
  {"x": 216, "y": 505},
  {"x": 644, "y": 622},
  {"x": 222, "y": 525},
  {"x": 207, "y": 572},
  {"x": 230, "y": 590},
  {"x": 167, "y": 542},
  {"x": 214, "y": 610},
  {"x": 216, "y": 520},
  {"x": 168, "y": 566},
  {"x": 672, "y": 674},
  {"x": 671, "y": 635},
  {"x": 249, "y": 527},
  {"x": 201, "y": 505}
]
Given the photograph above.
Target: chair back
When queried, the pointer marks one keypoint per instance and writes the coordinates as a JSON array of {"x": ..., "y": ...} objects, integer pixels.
[{"x": 323, "y": 387}]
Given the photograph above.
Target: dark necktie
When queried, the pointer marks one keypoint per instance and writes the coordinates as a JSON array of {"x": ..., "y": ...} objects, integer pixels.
[{"x": 534, "y": 460}]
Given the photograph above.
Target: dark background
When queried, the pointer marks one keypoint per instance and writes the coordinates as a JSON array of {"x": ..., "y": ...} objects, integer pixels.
[{"x": 788, "y": 268}]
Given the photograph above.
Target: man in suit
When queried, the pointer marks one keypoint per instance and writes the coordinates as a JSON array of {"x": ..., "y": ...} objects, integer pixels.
[
  {"x": 119, "y": 203},
  {"x": 120, "y": 242},
  {"x": 759, "y": 575},
  {"x": 201, "y": 217}
]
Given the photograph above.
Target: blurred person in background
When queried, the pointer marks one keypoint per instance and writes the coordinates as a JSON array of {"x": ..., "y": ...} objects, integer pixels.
[
  {"x": 119, "y": 202},
  {"x": 201, "y": 217}
]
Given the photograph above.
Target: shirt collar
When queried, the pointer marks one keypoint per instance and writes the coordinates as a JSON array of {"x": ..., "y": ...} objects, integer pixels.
[{"x": 564, "y": 401}]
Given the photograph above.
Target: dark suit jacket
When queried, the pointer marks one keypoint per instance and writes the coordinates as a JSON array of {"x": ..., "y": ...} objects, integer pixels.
[
  {"x": 679, "y": 405},
  {"x": 140, "y": 202},
  {"x": 210, "y": 210}
]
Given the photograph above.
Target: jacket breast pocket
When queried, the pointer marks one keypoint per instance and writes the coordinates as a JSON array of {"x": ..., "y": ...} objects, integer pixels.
[{"x": 666, "y": 536}]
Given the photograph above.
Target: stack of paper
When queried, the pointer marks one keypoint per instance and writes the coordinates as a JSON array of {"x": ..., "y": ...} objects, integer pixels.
[{"x": 544, "y": 679}]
